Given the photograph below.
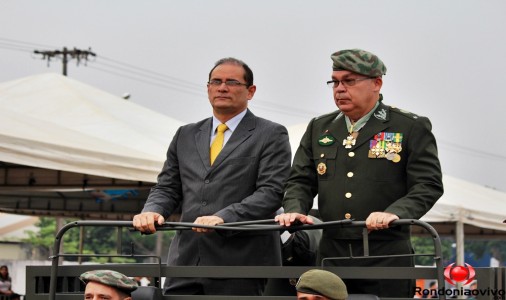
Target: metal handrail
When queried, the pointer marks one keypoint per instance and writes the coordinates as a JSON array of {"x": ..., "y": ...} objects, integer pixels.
[{"x": 260, "y": 225}]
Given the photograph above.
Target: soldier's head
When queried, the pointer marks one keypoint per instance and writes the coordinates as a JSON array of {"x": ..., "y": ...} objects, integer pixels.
[
  {"x": 356, "y": 81},
  {"x": 320, "y": 285},
  {"x": 107, "y": 284}
]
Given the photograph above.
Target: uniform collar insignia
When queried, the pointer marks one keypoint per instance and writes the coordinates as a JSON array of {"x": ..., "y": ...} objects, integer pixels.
[{"x": 381, "y": 114}]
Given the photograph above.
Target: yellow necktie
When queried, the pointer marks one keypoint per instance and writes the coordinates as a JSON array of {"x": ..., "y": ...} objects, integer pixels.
[{"x": 218, "y": 142}]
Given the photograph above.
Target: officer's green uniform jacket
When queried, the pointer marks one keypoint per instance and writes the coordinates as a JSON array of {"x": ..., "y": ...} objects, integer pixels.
[{"x": 352, "y": 185}]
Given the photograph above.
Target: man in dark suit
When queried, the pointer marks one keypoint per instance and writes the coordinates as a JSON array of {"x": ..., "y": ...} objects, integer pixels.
[
  {"x": 366, "y": 161},
  {"x": 242, "y": 182}
]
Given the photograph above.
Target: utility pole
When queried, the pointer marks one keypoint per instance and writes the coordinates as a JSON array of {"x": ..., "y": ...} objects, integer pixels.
[{"x": 66, "y": 55}]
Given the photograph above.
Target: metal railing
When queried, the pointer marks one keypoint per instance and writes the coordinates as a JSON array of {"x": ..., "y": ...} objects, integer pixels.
[{"x": 37, "y": 275}]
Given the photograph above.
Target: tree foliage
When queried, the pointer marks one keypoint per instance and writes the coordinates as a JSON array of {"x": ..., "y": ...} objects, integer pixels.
[
  {"x": 425, "y": 245},
  {"x": 478, "y": 247},
  {"x": 97, "y": 240}
]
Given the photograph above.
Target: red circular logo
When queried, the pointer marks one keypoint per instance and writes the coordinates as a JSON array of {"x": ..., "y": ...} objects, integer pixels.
[{"x": 459, "y": 274}]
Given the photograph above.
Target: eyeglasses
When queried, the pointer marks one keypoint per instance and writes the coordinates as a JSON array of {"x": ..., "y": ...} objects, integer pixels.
[
  {"x": 229, "y": 83},
  {"x": 346, "y": 82}
]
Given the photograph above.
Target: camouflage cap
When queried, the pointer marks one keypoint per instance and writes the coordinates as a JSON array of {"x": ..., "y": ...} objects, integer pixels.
[
  {"x": 320, "y": 282},
  {"x": 358, "y": 61},
  {"x": 110, "y": 278}
]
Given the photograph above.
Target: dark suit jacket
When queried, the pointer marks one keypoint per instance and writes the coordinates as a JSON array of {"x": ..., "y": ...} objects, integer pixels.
[
  {"x": 244, "y": 183},
  {"x": 408, "y": 188}
]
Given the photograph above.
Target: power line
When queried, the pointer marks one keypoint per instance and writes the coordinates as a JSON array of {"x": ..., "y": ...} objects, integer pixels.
[
  {"x": 151, "y": 73},
  {"x": 148, "y": 82},
  {"x": 129, "y": 71},
  {"x": 139, "y": 74},
  {"x": 27, "y": 44},
  {"x": 135, "y": 73},
  {"x": 168, "y": 81},
  {"x": 11, "y": 46},
  {"x": 189, "y": 87}
]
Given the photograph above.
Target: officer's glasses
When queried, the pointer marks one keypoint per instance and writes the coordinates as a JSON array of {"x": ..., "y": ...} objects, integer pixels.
[
  {"x": 229, "y": 83},
  {"x": 346, "y": 82}
]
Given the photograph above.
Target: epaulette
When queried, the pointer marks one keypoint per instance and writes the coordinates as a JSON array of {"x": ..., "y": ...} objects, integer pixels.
[{"x": 404, "y": 112}]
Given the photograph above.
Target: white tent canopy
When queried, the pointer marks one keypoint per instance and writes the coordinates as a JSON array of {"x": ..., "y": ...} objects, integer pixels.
[
  {"x": 54, "y": 122},
  {"x": 462, "y": 202},
  {"x": 69, "y": 149},
  {"x": 469, "y": 203}
]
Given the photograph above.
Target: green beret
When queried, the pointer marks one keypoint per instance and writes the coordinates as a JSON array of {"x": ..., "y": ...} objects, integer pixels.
[
  {"x": 324, "y": 283},
  {"x": 110, "y": 278},
  {"x": 358, "y": 61}
]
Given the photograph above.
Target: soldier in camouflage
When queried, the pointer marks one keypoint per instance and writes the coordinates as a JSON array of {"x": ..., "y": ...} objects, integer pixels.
[
  {"x": 366, "y": 161},
  {"x": 107, "y": 284}
]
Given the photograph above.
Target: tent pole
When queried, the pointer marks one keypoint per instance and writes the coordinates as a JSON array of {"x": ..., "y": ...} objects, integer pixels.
[
  {"x": 459, "y": 239},
  {"x": 59, "y": 226}
]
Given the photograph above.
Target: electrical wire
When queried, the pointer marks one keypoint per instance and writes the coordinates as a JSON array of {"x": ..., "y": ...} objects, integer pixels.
[
  {"x": 171, "y": 87},
  {"x": 187, "y": 84},
  {"x": 26, "y": 44},
  {"x": 126, "y": 70},
  {"x": 132, "y": 72},
  {"x": 150, "y": 73}
]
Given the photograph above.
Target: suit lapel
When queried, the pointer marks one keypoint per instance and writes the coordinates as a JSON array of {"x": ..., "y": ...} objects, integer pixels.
[
  {"x": 203, "y": 140},
  {"x": 243, "y": 131}
]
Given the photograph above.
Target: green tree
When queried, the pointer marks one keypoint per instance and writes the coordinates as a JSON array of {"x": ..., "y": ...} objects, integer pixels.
[
  {"x": 478, "y": 247},
  {"x": 96, "y": 240},
  {"x": 425, "y": 245},
  {"x": 42, "y": 240}
]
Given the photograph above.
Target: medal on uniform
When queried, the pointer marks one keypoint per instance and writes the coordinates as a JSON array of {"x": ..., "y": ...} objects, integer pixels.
[
  {"x": 353, "y": 129},
  {"x": 387, "y": 145},
  {"x": 321, "y": 168},
  {"x": 376, "y": 149},
  {"x": 390, "y": 155},
  {"x": 349, "y": 142}
]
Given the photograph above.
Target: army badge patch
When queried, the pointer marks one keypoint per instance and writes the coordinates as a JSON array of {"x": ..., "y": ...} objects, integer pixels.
[
  {"x": 326, "y": 140},
  {"x": 386, "y": 145}
]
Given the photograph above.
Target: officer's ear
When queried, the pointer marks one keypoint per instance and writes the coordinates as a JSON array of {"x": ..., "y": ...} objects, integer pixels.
[{"x": 378, "y": 83}]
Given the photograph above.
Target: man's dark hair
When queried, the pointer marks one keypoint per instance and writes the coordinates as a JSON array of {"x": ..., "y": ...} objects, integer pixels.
[{"x": 248, "y": 74}]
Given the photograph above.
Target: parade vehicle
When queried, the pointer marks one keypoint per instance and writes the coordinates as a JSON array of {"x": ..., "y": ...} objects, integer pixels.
[{"x": 62, "y": 281}]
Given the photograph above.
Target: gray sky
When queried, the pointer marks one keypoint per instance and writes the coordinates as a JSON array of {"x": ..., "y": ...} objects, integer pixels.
[{"x": 445, "y": 59}]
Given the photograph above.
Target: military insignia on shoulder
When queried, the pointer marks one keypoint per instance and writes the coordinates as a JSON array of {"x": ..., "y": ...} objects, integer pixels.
[{"x": 326, "y": 140}]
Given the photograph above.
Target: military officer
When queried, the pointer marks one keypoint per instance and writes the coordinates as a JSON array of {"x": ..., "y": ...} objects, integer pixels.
[{"x": 367, "y": 161}]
